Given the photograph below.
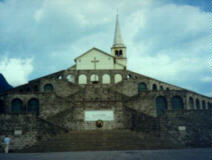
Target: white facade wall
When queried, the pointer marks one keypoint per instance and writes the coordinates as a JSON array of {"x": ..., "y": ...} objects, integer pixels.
[
  {"x": 118, "y": 66},
  {"x": 85, "y": 62},
  {"x": 122, "y": 61}
]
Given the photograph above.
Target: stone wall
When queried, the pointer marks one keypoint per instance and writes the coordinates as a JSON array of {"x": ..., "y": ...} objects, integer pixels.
[
  {"x": 25, "y": 129},
  {"x": 193, "y": 128},
  {"x": 145, "y": 102},
  {"x": 61, "y": 98},
  {"x": 141, "y": 122},
  {"x": 74, "y": 119},
  {"x": 21, "y": 128},
  {"x": 129, "y": 85},
  {"x": 65, "y": 107}
]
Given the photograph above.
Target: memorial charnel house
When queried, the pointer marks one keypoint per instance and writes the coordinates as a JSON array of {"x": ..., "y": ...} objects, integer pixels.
[{"x": 98, "y": 104}]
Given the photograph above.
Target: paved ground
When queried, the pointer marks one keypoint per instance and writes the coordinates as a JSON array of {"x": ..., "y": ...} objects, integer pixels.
[{"x": 184, "y": 154}]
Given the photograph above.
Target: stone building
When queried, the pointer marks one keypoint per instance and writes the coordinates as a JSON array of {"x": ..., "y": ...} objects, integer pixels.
[{"x": 100, "y": 97}]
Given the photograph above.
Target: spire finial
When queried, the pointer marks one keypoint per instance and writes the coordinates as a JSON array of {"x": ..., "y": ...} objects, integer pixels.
[{"x": 117, "y": 41}]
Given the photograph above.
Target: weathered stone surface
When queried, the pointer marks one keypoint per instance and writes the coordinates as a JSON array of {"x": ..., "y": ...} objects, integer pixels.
[
  {"x": 196, "y": 126},
  {"x": 31, "y": 128},
  {"x": 64, "y": 108}
]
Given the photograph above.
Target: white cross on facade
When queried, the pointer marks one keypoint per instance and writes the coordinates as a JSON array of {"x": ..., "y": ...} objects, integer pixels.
[{"x": 95, "y": 61}]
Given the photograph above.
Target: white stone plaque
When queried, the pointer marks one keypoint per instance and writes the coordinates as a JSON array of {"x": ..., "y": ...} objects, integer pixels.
[
  {"x": 18, "y": 132},
  {"x": 105, "y": 115},
  {"x": 181, "y": 128}
]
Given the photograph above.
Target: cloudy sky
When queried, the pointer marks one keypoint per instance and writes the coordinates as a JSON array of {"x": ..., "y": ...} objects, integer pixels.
[{"x": 166, "y": 40}]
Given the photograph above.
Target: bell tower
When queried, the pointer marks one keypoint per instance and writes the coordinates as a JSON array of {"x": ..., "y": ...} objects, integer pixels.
[{"x": 119, "y": 49}]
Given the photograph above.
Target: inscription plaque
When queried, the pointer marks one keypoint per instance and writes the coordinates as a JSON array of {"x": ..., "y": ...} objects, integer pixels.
[
  {"x": 18, "y": 132},
  {"x": 181, "y": 128},
  {"x": 105, "y": 115}
]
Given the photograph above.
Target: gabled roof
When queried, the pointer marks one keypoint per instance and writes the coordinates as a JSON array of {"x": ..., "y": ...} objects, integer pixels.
[{"x": 96, "y": 50}]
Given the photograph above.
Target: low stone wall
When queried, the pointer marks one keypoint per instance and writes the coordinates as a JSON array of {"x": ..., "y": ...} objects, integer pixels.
[
  {"x": 190, "y": 127},
  {"x": 25, "y": 130},
  {"x": 21, "y": 128}
]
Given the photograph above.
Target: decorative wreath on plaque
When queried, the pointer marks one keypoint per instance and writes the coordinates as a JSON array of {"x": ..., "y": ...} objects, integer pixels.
[{"x": 99, "y": 123}]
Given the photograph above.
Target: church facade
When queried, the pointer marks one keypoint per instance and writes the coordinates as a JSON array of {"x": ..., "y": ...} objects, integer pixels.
[{"x": 99, "y": 93}]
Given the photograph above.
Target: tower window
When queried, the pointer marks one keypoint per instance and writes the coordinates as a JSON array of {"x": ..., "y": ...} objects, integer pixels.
[
  {"x": 117, "y": 53},
  {"x": 120, "y": 52}
]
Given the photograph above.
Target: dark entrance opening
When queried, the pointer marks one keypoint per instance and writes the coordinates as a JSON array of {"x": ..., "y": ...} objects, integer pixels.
[{"x": 2, "y": 110}]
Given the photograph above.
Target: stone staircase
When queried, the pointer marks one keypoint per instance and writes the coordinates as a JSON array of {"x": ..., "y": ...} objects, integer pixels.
[{"x": 100, "y": 140}]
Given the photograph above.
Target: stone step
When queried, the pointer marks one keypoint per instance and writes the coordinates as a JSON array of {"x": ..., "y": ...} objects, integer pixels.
[{"x": 99, "y": 140}]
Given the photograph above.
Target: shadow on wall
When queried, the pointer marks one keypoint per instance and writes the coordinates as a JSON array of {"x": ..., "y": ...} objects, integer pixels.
[{"x": 142, "y": 122}]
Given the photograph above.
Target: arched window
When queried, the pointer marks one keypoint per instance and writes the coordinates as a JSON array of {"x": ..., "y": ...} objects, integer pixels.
[
  {"x": 28, "y": 89},
  {"x": 60, "y": 77},
  {"x": 33, "y": 106},
  {"x": 154, "y": 87},
  {"x": 129, "y": 76},
  {"x": 209, "y": 106},
  {"x": 161, "y": 105},
  {"x": 82, "y": 79},
  {"x": 197, "y": 104},
  {"x": 142, "y": 87},
  {"x": 118, "y": 78},
  {"x": 2, "y": 106},
  {"x": 48, "y": 88},
  {"x": 70, "y": 78},
  {"x": 191, "y": 103},
  {"x": 94, "y": 78},
  {"x": 177, "y": 102},
  {"x": 203, "y": 105},
  {"x": 120, "y": 52},
  {"x": 35, "y": 88},
  {"x": 161, "y": 87},
  {"x": 167, "y": 89},
  {"x": 106, "y": 79},
  {"x": 17, "y": 106},
  {"x": 116, "y": 52}
]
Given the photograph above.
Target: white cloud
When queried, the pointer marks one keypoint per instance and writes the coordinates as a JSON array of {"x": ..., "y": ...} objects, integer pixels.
[
  {"x": 84, "y": 13},
  {"x": 166, "y": 41},
  {"x": 38, "y": 15},
  {"x": 206, "y": 79},
  {"x": 15, "y": 70}
]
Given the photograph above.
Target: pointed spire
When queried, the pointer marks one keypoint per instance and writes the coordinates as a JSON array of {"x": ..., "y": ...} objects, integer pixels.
[{"x": 117, "y": 41}]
